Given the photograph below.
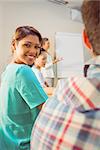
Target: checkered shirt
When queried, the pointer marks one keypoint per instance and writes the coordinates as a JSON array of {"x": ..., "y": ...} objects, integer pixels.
[{"x": 70, "y": 120}]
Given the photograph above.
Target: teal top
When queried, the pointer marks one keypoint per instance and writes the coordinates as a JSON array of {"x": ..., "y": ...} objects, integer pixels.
[{"x": 20, "y": 94}]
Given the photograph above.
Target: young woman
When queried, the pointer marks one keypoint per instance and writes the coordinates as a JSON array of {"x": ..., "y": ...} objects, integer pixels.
[
  {"x": 21, "y": 95},
  {"x": 38, "y": 64},
  {"x": 48, "y": 69}
]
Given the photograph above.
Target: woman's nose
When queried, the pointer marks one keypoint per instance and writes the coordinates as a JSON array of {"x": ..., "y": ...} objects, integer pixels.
[{"x": 33, "y": 49}]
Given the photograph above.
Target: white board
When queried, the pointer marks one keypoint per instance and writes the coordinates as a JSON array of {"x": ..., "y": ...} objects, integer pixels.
[{"x": 70, "y": 47}]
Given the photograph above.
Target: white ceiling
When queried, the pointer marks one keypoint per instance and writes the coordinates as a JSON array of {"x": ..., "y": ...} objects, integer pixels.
[
  {"x": 23, "y": 0},
  {"x": 75, "y": 3},
  {"x": 71, "y": 3}
]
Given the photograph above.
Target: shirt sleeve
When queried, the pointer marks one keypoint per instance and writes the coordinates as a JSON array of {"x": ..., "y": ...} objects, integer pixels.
[
  {"x": 29, "y": 87},
  {"x": 49, "y": 63}
]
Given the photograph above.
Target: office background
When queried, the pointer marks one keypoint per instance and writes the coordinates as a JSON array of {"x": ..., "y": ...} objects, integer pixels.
[{"x": 48, "y": 18}]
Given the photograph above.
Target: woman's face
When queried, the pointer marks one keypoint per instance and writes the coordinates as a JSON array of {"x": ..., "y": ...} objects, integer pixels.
[
  {"x": 42, "y": 59},
  {"x": 26, "y": 50},
  {"x": 46, "y": 45}
]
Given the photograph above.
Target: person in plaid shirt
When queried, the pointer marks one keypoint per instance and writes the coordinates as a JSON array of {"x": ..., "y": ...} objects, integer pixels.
[{"x": 70, "y": 120}]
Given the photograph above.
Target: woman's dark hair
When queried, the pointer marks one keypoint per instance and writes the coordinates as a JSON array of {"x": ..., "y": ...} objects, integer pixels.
[
  {"x": 22, "y": 32},
  {"x": 42, "y": 50},
  {"x": 44, "y": 40}
]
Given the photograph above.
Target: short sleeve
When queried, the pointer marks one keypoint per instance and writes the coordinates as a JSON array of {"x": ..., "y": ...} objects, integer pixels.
[
  {"x": 29, "y": 87},
  {"x": 49, "y": 63}
]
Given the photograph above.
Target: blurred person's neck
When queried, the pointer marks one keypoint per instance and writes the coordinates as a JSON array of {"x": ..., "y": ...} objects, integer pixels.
[{"x": 37, "y": 66}]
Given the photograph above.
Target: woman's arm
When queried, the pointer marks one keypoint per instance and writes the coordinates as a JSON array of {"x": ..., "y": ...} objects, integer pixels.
[
  {"x": 49, "y": 90},
  {"x": 40, "y": 106},
  {"x": 57, "y": 60}
]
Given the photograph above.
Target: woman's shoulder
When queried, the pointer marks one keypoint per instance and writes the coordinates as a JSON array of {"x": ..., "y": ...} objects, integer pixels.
[
  {"x": 13, "y": 70},
  {"x": 18, "y": 68},
  {"x": 34, "y": 68},
  {"x": 23, "y": 69}
]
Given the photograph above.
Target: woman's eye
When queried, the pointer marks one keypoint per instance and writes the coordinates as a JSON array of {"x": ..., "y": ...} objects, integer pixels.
[
  {"x": 27, "y": 45},
  {"x": 36, "y": 47}
]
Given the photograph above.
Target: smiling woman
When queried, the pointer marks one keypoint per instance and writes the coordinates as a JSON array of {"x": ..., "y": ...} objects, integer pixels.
[
  {"x": 25, "y": 51},
  {"x": 25, "y": 45},
  {"x": 21, "y": 95}
]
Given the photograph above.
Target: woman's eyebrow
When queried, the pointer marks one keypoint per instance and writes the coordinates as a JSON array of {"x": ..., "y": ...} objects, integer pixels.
[
  {"x": 28, "y": 42},
  {"x": 37, "y": 44}
]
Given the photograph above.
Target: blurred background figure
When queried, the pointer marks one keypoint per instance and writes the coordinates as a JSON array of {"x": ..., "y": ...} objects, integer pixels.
[
  {"x": 38, "y": 64},
  {"x": 48, "y": 71}
]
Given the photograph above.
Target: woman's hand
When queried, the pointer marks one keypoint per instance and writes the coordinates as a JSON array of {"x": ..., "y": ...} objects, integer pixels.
[
  {"x": 57, "y": 60},
  {"x": 49, "y": 90}
]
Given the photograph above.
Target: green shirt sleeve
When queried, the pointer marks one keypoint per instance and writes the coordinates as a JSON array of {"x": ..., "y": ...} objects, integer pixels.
[{"x": 29, "y": 87}]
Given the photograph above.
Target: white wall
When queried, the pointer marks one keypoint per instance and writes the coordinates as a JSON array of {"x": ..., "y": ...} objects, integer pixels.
[
  {"x": 48, "y": 18},
  {"x": 2, "y": 52}
]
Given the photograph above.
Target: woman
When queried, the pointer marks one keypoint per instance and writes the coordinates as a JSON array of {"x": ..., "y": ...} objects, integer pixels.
[
  {"x": 21, "y": 95},
  {"x": 38, "y": 64},
  {"x": 48, "y": 69}
]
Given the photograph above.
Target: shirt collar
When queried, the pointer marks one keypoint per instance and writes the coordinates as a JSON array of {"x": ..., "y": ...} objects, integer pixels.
[{"x": 94, "y": 61}]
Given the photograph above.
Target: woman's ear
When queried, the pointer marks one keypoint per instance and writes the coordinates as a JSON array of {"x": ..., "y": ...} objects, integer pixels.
[
  {"x": 13, "y": 46},
  {"x": 86, "y": 40}
]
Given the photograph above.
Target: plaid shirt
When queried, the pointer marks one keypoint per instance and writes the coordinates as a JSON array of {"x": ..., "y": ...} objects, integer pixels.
[{"x": 70, "y": 120}]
